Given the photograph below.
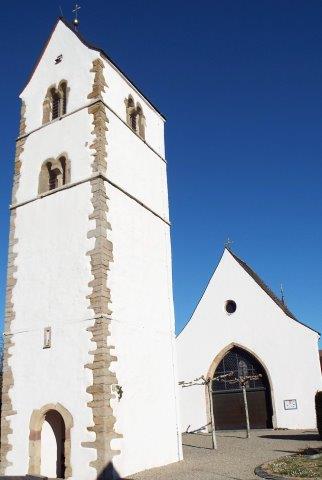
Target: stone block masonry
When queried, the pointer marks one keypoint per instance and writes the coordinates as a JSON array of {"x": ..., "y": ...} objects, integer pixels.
[
  {"x": 100, "y": 297},
  {"x": 8, "y": 381}
]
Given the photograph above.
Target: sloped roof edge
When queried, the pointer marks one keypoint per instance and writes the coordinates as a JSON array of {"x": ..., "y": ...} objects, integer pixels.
[
  {"x": 267, "y": 290},
  {"x": 259, "y": 282},
  {"x": 92, "y": 47}
]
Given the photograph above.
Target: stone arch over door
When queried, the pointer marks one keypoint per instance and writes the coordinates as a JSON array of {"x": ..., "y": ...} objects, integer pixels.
[
  {"x": 215, "y": 363},
  {"x": 36, "y": 422}
]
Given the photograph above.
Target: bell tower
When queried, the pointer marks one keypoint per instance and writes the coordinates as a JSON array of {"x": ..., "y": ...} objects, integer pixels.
[{"x": 89, "y": 360}]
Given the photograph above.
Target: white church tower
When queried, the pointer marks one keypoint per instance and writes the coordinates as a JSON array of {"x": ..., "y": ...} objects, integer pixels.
[{"x": 90, "y": 386}]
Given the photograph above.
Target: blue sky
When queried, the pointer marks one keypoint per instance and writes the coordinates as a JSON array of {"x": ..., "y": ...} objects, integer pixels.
[{"x": 240, "y": 83}]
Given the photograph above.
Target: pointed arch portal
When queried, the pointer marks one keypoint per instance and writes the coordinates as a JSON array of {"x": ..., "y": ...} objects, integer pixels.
[{"x": 229, "y": 412}]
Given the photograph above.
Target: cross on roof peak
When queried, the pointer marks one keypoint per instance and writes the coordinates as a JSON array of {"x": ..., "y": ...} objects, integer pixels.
[{"x": 228, "y": 243}]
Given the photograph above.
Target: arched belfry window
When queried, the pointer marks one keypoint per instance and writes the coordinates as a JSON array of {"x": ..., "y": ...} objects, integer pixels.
[
  {"x": 55, "y": 102},
  {"x": 54, "y": 173},
  {"x": 134, "y": 117}
]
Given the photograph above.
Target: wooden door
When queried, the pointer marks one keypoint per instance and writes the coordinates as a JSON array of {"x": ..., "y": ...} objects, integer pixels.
[{"x": 229, "y": 410}]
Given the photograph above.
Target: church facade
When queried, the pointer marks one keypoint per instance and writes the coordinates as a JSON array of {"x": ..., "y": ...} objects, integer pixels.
[
  {"x": 241, "y": 330},
  {"x": 89, "y": 329}
]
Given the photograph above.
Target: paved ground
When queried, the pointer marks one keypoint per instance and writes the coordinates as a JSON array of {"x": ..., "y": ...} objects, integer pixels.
[{"x": 236, "y": 456}]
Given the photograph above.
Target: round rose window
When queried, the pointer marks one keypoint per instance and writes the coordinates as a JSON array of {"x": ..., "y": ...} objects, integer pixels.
[{"x": 230, "y": 306}]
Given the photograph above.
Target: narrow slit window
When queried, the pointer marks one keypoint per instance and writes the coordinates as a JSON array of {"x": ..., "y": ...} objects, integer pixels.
[
  {"x": 141, "y": 122},
  {"x": 63, "y": 164},
  {"x": 133, "y": 121},
  {"x": 64, "y": 98},
  {"x": 53, "y": 177},
  {"x": 47, "y": 337},
  {"x": 55, "y": 105}
]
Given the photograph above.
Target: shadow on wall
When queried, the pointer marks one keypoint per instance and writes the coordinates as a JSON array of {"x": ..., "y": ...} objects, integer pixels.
[{"x": 305, "y": 437}]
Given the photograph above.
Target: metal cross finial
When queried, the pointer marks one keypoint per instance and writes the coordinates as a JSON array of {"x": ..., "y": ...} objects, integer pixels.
[
  {"x": 76, "y": 21},
  {"x": 228, "y": 243}
]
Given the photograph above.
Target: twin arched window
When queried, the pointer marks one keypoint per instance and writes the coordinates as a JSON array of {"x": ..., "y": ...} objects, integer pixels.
[
  {"x": 55, "y": 103},
  {"x": 134, "y": 117},
  {"x": 54, "y": 173}
]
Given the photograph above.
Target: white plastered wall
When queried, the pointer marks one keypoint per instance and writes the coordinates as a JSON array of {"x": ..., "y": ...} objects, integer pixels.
[
  {"x": 53, "y": 272},
  {"x": 53, "y": 269},
  {"x": 136, "y": 168},
  {"x": 142, "y": 328},
  {"x": 143, "y": 333},
  {"x": 287, "y": 349},
  {"x": 140, "y": 279}
]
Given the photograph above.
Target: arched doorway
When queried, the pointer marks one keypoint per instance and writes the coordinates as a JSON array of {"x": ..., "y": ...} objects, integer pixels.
[
  {"x": 53, "y": 446},
  {"x": 229, "y": 411},
  {"x": 49, "y": 442}
]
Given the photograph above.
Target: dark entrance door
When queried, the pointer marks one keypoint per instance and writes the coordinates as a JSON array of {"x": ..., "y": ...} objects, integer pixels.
[{"x": 228, "y": 402}]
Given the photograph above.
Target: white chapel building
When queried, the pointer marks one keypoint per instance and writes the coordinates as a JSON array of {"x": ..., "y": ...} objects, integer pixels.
[
  {"x": 90, "y": 383},
  {"x": 241, "y": 329}
]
